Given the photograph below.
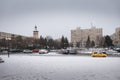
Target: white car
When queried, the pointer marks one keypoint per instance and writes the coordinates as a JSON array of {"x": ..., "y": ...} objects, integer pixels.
[
  {"x": 27, "y": 51},
  {"x": 5, "y": 51},
  {"x": 43, "y": 51}
]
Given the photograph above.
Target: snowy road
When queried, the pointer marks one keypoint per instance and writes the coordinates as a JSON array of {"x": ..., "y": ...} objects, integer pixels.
[{"x": 54, "y": 66}]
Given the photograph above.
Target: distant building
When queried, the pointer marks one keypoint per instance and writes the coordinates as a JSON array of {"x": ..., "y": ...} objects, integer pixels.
[
  {"x": 4, "y": 35},
  {"x": 81, "y": 35},
  {"x": 35, "y": 33},
  {"x": 116, "y": 36}
]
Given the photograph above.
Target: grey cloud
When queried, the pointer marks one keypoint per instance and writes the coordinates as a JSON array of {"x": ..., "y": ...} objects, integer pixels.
[
  {"x": 59, "y": 4},
  {"x": 27, "y": 13},
  {"x": 14, "y": 7}
]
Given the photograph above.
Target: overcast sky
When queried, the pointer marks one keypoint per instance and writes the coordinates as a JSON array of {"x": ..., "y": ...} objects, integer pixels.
[{"x": 57, "y": 17}]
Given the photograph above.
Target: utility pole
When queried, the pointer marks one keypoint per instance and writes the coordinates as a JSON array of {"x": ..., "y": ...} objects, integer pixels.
[{"x": 8, "y": 39}]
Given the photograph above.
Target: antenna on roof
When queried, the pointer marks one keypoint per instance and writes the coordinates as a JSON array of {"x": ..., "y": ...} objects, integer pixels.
[{"x": 91, "y": 24}]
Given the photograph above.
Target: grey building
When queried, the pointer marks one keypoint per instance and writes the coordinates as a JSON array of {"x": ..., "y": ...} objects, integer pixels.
[{"x": 81, "y": 35}]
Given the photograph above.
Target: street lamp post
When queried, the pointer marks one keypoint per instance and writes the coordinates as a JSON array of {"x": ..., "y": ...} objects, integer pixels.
[{"x": 8, "y": 39}]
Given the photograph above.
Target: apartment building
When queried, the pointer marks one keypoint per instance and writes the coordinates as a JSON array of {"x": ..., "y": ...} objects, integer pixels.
[
  {"x": 116, "y": 36},
  {"x": 81, "y": 35}
]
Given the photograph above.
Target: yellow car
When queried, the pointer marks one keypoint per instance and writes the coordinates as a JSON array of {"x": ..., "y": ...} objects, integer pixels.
[{"x": 95, "y": 54}]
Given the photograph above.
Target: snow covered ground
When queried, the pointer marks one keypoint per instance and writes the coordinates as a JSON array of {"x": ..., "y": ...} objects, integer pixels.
[{"x": 55, "y": 66}]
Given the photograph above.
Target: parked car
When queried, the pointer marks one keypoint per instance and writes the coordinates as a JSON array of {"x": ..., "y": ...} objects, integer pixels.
[
  {"x": 95, "y": 54},
  {"x": 5, "y": 51},
  {"x": 35, "y": 50},
  {"x": 43, "y": 51},
  {"x": 69, "y": 51},
  {"x": 117, "y": 49},
  {"x": 27, "y": 51},
  {"x": 16, "y": 50},
  {"x": 1, "y": 60}
]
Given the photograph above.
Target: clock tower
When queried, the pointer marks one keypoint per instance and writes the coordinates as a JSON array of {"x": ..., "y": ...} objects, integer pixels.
[{"x": 35, "y": 33}]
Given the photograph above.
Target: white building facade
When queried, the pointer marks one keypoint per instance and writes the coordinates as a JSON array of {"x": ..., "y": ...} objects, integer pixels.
[
  {"x": 116, "y": 36},
  {"x": 81, "y": 35}
]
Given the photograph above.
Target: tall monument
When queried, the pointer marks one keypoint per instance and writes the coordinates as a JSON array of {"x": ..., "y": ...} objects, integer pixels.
[{"x": 35, "y": 33}]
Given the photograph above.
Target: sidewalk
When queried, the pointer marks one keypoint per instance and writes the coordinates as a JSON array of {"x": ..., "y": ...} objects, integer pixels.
[{"x": 1, "y": 60}]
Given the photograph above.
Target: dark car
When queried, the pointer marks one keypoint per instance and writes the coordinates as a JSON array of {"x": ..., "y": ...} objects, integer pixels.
[
  {"x": 15, "y": 50},
  {"x": 1, "y": 60}
]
